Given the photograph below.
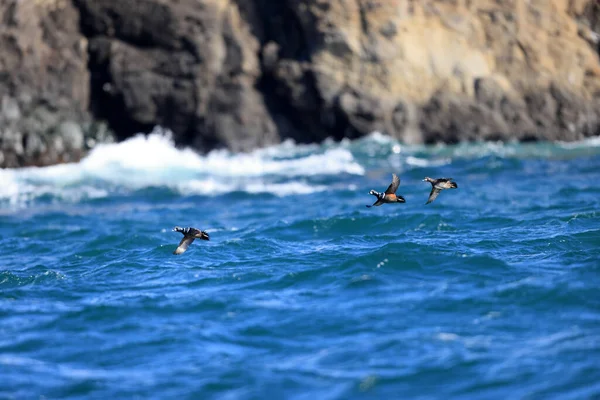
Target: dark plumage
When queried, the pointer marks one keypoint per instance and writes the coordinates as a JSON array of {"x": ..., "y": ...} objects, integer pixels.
[
  {"x": 389, "y": 196},
  {"x": 189, "y": 234},
  {"x": 437, "y": 185}
]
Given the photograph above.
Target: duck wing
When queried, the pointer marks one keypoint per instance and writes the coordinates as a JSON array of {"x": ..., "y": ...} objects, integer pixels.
[
  {"x": 433, "y": 195},
  {"x": 376, "y": 204},
  {"x": 183, "y": 245},
  {"x": 394, "y": 185}
]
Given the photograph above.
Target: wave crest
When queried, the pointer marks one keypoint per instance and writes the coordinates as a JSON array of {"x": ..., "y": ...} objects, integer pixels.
[{"x": 152, "y": 160}]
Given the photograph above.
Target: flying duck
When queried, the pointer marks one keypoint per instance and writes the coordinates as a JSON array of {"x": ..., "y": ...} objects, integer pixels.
[
  {"x": 189, "y": 234},
  {"x": 438, "y": 185},
  {"x": 389, "y": 196}
]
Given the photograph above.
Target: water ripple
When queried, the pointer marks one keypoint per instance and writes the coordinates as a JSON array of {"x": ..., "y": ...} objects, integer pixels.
[{"x": 303, "y": 292}]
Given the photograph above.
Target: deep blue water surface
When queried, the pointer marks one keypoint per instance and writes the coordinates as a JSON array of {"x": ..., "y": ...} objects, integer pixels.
[{"x": 490, "y": 292}]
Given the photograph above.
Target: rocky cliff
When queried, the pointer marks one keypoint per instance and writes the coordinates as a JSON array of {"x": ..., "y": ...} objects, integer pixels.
[{"x": 247, "y": 73}]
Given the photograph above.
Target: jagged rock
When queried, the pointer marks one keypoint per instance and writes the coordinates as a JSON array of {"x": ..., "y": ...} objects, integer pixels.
[
  {"x": 44, "y": 81},
  {"x": 248, "y": 73},
  {"x": 191, "y": 67}
]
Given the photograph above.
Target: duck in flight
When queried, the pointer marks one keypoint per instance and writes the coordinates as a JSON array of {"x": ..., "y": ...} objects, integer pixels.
[
  {"x": 189, "y": 234},
  {"x": 437, "y": 185},
  {"x": 389, "y": 196}
]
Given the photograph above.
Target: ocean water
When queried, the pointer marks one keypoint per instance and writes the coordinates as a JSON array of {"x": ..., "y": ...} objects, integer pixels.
[{"x": 490, "y": 292}]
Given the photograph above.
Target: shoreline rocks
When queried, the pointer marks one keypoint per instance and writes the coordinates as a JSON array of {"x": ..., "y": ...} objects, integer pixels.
[{"x": 249, "y": 73}]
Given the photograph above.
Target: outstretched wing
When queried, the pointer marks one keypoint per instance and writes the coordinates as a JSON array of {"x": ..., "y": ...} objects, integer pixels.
[
  {"x": 376, "y": 204},
  {"x": 183, "y": 245},
  {"x": 432, "y": 196},
  {"x": 394, "y": 185}
]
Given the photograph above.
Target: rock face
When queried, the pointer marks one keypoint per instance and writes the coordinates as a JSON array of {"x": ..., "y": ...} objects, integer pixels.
[
  {"x": 191, "y": 66},
  {"x": 44, "y": 84},
  {"x": 427, "y": 71},
  {"x": 247, "y": 73}
]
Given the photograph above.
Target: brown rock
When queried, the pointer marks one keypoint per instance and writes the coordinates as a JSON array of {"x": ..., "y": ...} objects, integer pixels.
[
  {"x": 44, "y": 81},
  {"x": 248, "y": 73}
]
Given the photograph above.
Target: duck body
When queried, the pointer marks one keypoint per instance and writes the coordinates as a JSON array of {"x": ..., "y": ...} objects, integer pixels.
[
  {"x": 437, "y": 185},
  {"x": 389, "y": 196},
  {"x": 189, "y": 235}
]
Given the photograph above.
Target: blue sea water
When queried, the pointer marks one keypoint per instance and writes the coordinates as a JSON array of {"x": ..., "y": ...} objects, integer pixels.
[{"x": 490, "y": 292}]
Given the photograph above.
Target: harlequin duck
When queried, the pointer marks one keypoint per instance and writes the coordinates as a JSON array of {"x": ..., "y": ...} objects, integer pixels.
[
  {"x": 389, "y": 196},
  {"x": 438, "y": 185},
  {"x": 189, "y": 234}
]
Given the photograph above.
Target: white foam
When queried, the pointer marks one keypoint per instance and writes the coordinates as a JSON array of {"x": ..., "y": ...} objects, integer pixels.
[
  {"x": 156, "y": 153},
  {"x": 153, "y": 161},
  {"x": 447, "y": 336},
  {"x": 380, "y": 138},
  {"x": 211, "y": 186},
  {"x": 423, "y": 162},
  {"x": 146, "y": 161},
  {"x": 284, "y": 189},
  {"x": 589, "y": 142}
]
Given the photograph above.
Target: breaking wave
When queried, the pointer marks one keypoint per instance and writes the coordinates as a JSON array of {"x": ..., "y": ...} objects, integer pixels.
[{"x": 153, "y": 161}]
